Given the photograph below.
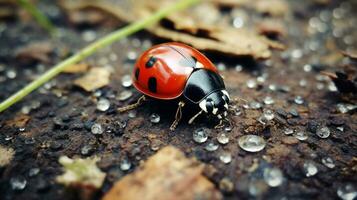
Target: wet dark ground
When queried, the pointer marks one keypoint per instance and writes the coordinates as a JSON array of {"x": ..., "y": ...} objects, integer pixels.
[{"x": 61, "y": 114}]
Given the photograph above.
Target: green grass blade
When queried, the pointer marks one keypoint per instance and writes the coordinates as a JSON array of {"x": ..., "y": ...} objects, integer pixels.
[{"x": 92, "y": 48}]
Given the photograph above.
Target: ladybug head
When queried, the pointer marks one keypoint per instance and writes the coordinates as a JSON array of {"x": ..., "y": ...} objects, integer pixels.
[{"x": 216, "y": 104}]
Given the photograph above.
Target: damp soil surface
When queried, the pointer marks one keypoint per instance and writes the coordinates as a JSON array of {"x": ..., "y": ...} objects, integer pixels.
[{"x": 306, "y": 123}]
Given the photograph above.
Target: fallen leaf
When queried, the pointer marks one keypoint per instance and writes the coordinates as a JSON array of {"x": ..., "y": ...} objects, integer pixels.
[
  {"x": 276, "y": 8},
  {"x": 272, "y": 28},
  {"x": 197, "y": 29},
  {"x": 350, "y": 54},
  {"x": 96, "y": 78},
  {"x": 76, "y": 68},
  {"x": 7, "y": 155},
  {"x": 19, "y": 121},
  {"x": 81, "y": 172},
  {"x": 35, "y": 52},
  {"x": 166, "y": 175}
]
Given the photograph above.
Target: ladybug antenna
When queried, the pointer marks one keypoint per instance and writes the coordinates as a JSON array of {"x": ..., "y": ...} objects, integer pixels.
[
  {"x": 177, "y": 116},
  {"x": 194, "y": 117},
  {"x": 140, "y": 101}
]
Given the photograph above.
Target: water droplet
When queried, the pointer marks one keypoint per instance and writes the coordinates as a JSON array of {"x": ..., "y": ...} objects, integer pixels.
[
  {"x": 251, "y": 83},
  {"x": 11, "y": 74},
  {"x": 30, "y": 140},
  {"x": 225, "y": 157},
  {"x": 347, "y": 192},
  {"x": 125, "y": 165},
  {"x": 328, "y": 162},
  {"x": 301, "y": 135},
  {"x": 268, "y": 114},
  {"x": 297, "y": 53},
  {"x": 303, "y": 83},
  {"x": 272, "y": 87},
  {"x": 268, "y": 100},
  {"x": 89, "y": 35},
  {"x": 125, "y": 95},
  {"x": 273, "y": 176},
  {"x": 307, "y": 68},
  {"x": 154, "y": 118},
  {"x": 255, "y": 105},
  {"x": 238, "y": 22},
  {"x": 86, "y": 150},
  {"x": 132, "y": 55},
  {"x": 237, "y": 111},
  {"x": 132, "y": 114},
  {"x": 288, "y": 131},
  {"x": 26, "y": 109},
  {"x": 200, "y": 135},
  {"x": 103, "y": 104},
  {"x": 323, "y": 132},
  {"x": 222, "y": 138},
  {"x": 18, "y": 183},
  {"x": 228, "y": 128},
  {"x": 97, "y": 129},
  {"x": 299, "y": 100},
  {"x": 34, "y": 171},
  {"x": 310, "y": 169},
  {"x": 340, "y": 128},
  {"x": 251, "y": 143},
  {"x": 221, "y": 66},
  {"x": 239, "y": 68},
  {"x": 211, "y": 146},
  {"x": 126, "y": 81}
]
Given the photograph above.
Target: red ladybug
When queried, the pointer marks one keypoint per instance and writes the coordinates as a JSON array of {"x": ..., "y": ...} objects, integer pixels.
[{"x": 174, "y": 70}]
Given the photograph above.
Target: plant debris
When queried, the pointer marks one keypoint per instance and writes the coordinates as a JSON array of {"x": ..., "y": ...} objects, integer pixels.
[
  {"x": 166, "y": 175},
  {"x": 7, "y": 154},
  {"x": 81, "y": 172},
  {"x": 95, "y": 78},
  {"x": 35, "y": 52}
]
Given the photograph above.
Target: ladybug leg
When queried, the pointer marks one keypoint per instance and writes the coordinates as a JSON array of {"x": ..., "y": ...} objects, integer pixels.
[
  {"x": 194, "y": 117},
  {"x": 140, "y": 101},
  {"x": 178, "y": 115}
]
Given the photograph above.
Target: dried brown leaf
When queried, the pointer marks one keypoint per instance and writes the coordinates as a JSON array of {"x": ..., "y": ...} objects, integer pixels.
[
  {"x": 19, "y": 121},
  {"x": 166, "y": 175},
  {"x": 35, "y": 51},
  {"x": 7, "y": 155},
  {"x": 196, "y": 28},
  {"x": 95, "y": 78}
]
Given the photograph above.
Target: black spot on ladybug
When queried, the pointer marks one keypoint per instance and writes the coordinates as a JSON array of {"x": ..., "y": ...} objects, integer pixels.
[
  {"x": 152, "y": 84},
  {"x": 137, "y": 72},
  {"x": 151, "y": 62}
]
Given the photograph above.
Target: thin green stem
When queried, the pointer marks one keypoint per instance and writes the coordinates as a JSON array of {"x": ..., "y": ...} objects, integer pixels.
[
  {"x": 40, "y": 18},
  {"x": 92, "y": 48}
]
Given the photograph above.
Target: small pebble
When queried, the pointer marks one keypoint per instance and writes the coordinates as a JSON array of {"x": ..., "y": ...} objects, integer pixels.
[
  {"x": 251, "y": 83},
  {"x": 288, "y": 131}
]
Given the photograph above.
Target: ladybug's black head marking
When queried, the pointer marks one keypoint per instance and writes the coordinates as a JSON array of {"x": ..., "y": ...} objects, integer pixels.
[
  {"x": 137, "y": 72},
  {"x": 206, "y": 88},
  {"x": 216, "y": 103}
]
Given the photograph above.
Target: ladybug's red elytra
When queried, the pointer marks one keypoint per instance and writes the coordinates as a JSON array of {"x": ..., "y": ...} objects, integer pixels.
[{"x": 175, "y": 70}]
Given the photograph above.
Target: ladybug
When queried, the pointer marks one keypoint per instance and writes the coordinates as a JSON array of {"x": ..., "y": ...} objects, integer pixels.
[{"x": 177, "y": 71}]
